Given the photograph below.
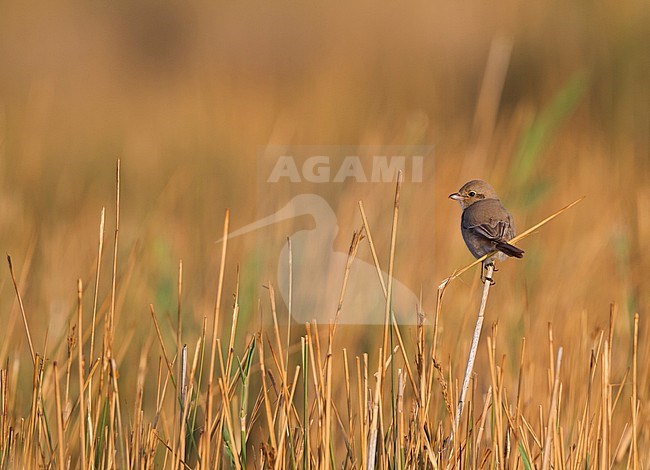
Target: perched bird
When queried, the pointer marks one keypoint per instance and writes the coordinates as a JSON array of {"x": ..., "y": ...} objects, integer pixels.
[{"x": 485, "y": 224}]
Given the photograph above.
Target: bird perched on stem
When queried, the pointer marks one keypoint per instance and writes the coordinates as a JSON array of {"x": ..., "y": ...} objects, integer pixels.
[{"x": 485, "y": 224}]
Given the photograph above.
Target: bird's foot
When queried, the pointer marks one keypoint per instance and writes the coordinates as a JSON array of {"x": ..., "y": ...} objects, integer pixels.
[{"x": 484, "y": 277}]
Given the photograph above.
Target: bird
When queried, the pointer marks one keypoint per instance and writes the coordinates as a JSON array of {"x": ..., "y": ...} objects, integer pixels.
[{"x": 485, "y": 224}]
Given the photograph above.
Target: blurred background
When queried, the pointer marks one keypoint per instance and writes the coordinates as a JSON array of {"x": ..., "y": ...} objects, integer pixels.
[{"x": 548, "y": 101}]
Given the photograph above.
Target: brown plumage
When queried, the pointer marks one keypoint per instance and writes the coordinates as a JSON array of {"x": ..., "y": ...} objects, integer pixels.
[{"x": 485, "y": 224}]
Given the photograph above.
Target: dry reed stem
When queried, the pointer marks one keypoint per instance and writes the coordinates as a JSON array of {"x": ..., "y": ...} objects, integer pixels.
[
  {"x": 26, "y": 269},
  {"x": 290, "y": 302},
  {"x": 304, "y": 358},
  {"x": 70, "y": 343},
  {"x": 229, "y": 426},
  {"x": 635, "y": 404},
  {"x": 552, "y": 416},
  {"x": 197, "y": 361},
  {"x": 215, "y": 326},
  {"x": 179, "y": 457},
  {"x": 217, "y": 306},
  {"x": 352, "y": 254},
  {"x": 267, "y": 403},
  {"x": 344, "y": 436},
  {"x": 282, "y": 410},
  {"x": 481, "y": 426},
  {"x": 311, "y": 365},
  {"x": 587, "y": 429},
  {"x": 135, "y": 443},
  {"x": 82, "y": 411},
  {"x": 160, "y": 398},
  {"x": 168, "y": 363},
  {"x": 605, "y": 409},
  {"x": 22, "y": 310},
  {"x": 436, "y": 320},
  {"x": 110, "y": 319},
  {"x": 285, "y": 410},
  {"x": 93, "y": 324},
  {"x": 551, "y": 356},
  {"x": 391, "y": 263},
  {"x": 400, "y": 419},
  {"x": 474, "y": 347},
  {"x": 233, "y": 332},
  {"x": 328, "y": 402},
  {"x": 179, "y": 451},
  {"x": 276, "y": 330},
  {"x": 4, "y": 425},
  {"x": 177, "y": 411},
  {"x": 362, "y": 401},
  {"x": 59, "y": 416},
  {"x": 497, "y": 397},
  {"x": 372, "y": 439},
  {"x": 179, "y": 327},
  {"x": 118, "y": 408},
  {"x": 33, "y": 422},
  {"x": 348, "y": 398}
]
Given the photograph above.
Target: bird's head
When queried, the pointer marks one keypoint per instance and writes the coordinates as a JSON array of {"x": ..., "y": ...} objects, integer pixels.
[{"x": 473, "y": 191}]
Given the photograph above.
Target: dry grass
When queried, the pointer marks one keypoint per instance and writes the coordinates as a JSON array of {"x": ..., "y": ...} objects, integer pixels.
[
  {"x": 275, "y": 404},
  {"x": 117, "y": 354}
]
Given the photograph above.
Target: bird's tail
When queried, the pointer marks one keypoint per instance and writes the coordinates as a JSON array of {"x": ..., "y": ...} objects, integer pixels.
[{"x": 510, "y": 250}]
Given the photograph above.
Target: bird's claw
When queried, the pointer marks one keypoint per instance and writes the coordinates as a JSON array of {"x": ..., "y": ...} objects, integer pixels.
[{"x": 485, "y": 278}]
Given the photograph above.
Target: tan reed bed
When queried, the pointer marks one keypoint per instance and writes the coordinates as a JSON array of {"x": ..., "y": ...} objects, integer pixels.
[{"x": 306, "y": 403}]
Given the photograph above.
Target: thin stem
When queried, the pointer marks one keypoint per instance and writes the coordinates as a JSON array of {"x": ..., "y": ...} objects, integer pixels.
[
  {"x": 472, "y": 351},
  {"x": 22, "y": 310},
  {"x": 552, "y": 416}
]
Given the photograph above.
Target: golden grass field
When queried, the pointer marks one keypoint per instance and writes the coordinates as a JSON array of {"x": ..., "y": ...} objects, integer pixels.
[{"x": 547, "y": 101}]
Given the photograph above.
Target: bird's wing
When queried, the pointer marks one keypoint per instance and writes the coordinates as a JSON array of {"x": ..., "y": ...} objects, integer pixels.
[
  {"x": 492, "y": 230},
  {"x": 488, "y": 219}
]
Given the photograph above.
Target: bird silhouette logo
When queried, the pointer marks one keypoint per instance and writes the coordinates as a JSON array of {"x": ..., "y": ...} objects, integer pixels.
[{"x": 318, "y": 271}]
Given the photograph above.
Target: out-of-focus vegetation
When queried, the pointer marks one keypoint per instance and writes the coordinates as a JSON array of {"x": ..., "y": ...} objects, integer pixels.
[{"x": 186, "y": 94}]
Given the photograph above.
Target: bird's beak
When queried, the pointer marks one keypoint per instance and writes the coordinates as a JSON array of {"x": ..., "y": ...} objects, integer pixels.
[{"x": 456, "y": 197}]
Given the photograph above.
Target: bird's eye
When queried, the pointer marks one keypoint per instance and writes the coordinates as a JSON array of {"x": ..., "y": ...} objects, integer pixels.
[{"x": 471, "y": 193}]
